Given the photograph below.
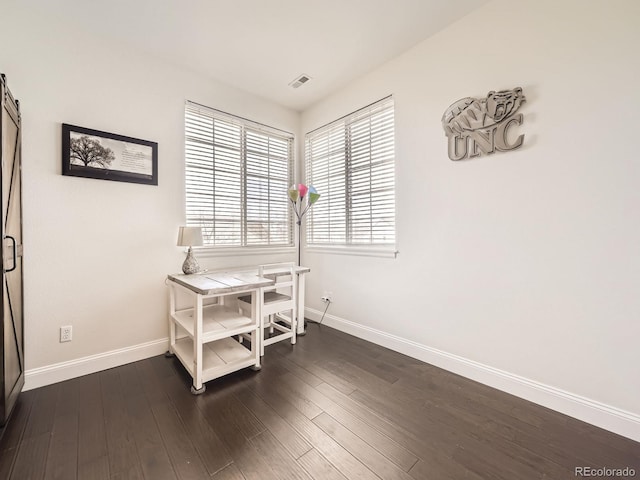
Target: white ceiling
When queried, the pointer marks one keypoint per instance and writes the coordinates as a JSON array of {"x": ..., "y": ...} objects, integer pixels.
[{"x": 260, "y": 46}]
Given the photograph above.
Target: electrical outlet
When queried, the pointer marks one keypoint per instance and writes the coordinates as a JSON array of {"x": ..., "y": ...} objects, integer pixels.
[
  {"x": 327, "y": 297},
  {"x": 66, "y": 333}
]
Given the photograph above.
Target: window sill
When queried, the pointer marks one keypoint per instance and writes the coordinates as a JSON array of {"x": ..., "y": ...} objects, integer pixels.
[
  {"x": 209, "y": 252},
  {"x": 363, "y": 251}
]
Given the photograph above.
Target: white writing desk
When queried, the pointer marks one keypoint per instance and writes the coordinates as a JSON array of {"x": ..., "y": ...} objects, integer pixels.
[{"x": 208, "y": 350}]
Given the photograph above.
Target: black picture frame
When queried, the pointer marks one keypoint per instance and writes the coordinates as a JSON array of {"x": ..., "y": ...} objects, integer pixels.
[{"x": 92, "y": 153}]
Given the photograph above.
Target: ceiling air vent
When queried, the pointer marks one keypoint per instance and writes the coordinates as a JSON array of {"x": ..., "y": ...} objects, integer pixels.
[{"x": 302, "y": 79}]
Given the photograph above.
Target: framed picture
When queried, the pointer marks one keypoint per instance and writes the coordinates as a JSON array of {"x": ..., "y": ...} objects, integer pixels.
[{"x": 94, "y": 154}]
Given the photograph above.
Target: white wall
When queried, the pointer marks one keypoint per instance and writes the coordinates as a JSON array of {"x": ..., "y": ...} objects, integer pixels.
[
  {"x": 519, "y": 267},
  {"x": 97, "y": 252},
  {"x": 521, "y": 264}
]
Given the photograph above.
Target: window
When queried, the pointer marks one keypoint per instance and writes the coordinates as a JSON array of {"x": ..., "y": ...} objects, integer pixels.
[
  {"x": 351, "y": 162},
  {"x": 237, "y": 173}
]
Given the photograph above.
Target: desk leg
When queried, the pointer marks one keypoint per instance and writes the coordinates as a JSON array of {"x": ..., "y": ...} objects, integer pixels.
[
  {"x": 197, "y": 387},
  {"x": 172, "y": 327},
  {"x": 300, "y": 313},
  {"x": 257, "y": 335}
]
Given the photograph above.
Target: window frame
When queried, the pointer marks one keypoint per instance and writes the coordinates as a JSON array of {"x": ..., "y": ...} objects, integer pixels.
[
  {"x": 245, "y": 125},
  {"x": 344, "y": 124}
]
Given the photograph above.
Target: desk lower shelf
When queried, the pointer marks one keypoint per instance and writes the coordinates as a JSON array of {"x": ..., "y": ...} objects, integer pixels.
[
  {"x": 218, "y": 358},
  {"x": 218, "y": 321}
]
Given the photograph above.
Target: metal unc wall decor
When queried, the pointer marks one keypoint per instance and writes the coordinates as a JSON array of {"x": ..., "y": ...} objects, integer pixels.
[{"x": 476, "y": 126}]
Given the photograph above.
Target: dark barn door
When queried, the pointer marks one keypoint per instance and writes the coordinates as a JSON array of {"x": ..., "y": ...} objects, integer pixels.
[{"x": 11, "y": 230}]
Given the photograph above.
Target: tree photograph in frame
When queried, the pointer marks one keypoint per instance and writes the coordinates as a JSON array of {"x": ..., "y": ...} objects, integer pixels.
[{"x": 94, "y": 154}]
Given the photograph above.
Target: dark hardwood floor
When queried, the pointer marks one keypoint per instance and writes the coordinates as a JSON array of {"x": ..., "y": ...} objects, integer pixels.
[{"x": 332, "y": 407}]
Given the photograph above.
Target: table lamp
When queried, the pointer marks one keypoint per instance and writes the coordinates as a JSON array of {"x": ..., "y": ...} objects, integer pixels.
[{"x": 190, "y": 237}]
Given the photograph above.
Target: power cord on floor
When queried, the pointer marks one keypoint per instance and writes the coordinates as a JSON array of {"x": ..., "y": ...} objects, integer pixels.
[{"x": 323, "y": 313}]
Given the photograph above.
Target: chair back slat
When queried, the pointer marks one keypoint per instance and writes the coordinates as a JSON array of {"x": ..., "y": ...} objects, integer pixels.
[{"x": 283, "y": 273}]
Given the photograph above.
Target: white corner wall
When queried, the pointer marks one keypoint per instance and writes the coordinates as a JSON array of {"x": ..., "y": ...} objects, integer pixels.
[
  {"x": 519, "y": 269},
  {"x": 97, "y": 252}
]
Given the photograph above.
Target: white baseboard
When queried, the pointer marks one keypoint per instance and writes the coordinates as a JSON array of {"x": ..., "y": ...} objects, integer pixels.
[
  {"x": 604, "y": 416},
  {"x": 59, "y": 372}
]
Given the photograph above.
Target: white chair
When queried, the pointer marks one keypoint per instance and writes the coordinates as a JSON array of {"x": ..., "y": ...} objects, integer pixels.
[{"x": 278, "y": 304}]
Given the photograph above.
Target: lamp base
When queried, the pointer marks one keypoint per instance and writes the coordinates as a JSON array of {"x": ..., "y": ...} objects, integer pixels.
[{"x": 190, "y": 264}]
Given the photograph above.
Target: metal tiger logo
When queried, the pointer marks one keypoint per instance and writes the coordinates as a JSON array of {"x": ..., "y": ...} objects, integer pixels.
[{"x": 476, "y": 126}]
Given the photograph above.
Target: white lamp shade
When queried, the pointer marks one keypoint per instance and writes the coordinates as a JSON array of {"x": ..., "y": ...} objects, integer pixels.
[{"x": 190, "y": 237}]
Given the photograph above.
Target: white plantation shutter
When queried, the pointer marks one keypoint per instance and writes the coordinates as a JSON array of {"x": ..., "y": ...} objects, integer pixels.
[
  {"x": 351, "y": 162},
  {"x": 237, "y": 174}
]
